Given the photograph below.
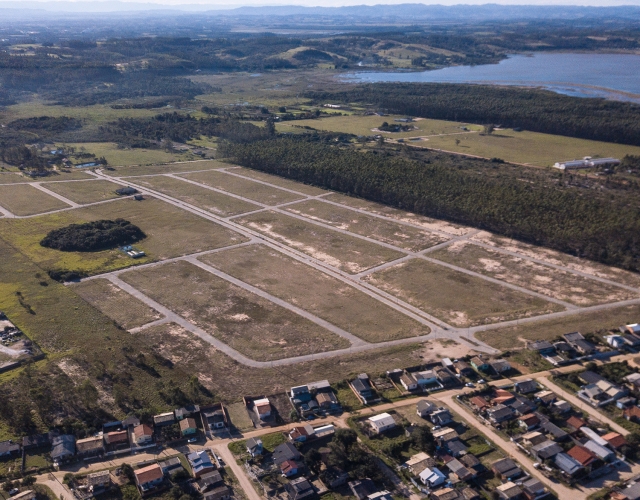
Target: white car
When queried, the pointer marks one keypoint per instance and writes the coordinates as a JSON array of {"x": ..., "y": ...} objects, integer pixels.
[{"x": 470, "y": 384}]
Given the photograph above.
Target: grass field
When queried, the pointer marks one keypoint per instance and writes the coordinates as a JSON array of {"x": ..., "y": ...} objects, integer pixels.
[
  {"x": 85, "y": 192},
  {"x": 252, "y": 325},
  {"x": 366, "y": 225},
  {"x": 253, "y": 190},
  {"x": 22, "y": 199},
  {"x": 515, "y": 336},
  {"x": 456, "y": 298},
  {"x": 171, "y": 232},
  {"x": 278, "y": 181},
  {"x": 401, "y": 215},
  {"x": 134, "y": 156},
  {"x": 96, "y": 113},
  {"x": 239, "y": 417},
  {"x": 316, "y": 292},
  {"x": 539, "y": 278},
  {"x": 169, "y": 168},
  {"x": 344, "y": 252},
  {"x": 55, "y": 175},
  {"x": 559, "y": 258},
  {"x": 127, "y": 311},
  {"x": 216, "y": 203}
]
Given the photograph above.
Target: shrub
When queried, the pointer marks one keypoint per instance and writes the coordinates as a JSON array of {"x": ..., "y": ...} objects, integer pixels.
[{"x": 93, "y": 236}]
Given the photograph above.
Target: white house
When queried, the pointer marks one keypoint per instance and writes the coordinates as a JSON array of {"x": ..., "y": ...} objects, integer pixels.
[
  {"x": 142, "y": 434},
  {"x": 382, "y": 423},
  {"x": 615, "y": 341},
  {"x": 427, "y": 377},
  {"x": 432, "y": 477},
  {"x": 262, "y": 407}
]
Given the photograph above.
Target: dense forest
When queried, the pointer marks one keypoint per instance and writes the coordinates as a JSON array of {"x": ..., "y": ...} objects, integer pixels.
[
  {"x": 93, "y": 236},
  {"x": 565, "y": 217},
  {"x": 536, "y": 110}
]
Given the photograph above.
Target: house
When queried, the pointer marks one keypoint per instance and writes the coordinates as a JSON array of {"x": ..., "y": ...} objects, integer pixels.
[
  {"x": 432, "y": 477},
  {"x": 301, "y": 433},
  {"x": 327, "y": 400},
  {"x": 542, "y": 346},
  {"x": 290, "y": 468},
  {"x": 427, "y": 377},
  {"x": 594, "y": 436},
  {"x": 130, "y": 422},
  {"x": 470, "y": 494},
  {"x": 522, "y": 405},
  {"x": 300, "y": 394},
  {"x": 299, "y": 488},
  {"x": 200, "y": 463},
  {"x": 334, "y": 477},
  {"x": 284, "y": 452},
  {"x": 262, "y": 407},
  {"x": 459, "y": 470},
  {"x": 506, "y": 469},
  {"x": 633, "y": 329},
  {"x": 170, "y": 465},
  {"x": 37, "y": 441},
  {"x": 533, "y": 489},
  {"x": 425, "y": 408},
  {"x": 97, "y": 481},
  {"x": 148, "y": 477},
  {"x": 502, "y": 396},
  {"x": 582, "y": 455},
  {"x": 533, "y": 438},
  {"x": 186, "y": 411},
  {"x": 222, "y": 492},
  {"x": 578, "y": 342},
  {"x": 575, "y": 423},
  {"x": 479, "y": 364},
  {"x": 362, "y": 489},
  {"x": 615, "y": 440},
  {"x": 615, "y": 341},
  {"x": 254, "y": 446},
  {"x": 188, "y": 426},
  {"x": 567, "y": 464},
  {"x": 603, "y": 453},
  {"x": 408, "y": 381},
  {"x": 9, "y": 448},
  {"x": 633, "y": 379},
  {"x": 552, "y": 429},
  {"x": 419, "y": 462},
  {"x": 445, "y": 376},
  {"x": 441, "y": 417},
  {"x": 381, "y": 423},
  {"x": 500, "y": 413},
  {"x": 632, "y": 413},
  {"x": 90, "y": 447},
  {"x": 565, "y": 349},
  {"x": 471, "y": 462},
  {"x": 509, "y": 491},
  {"x": 362, "y": 386},
  {"x": 479, "y": 403},
  {"x": 142, "y": 434},
  {"x": 456, "y": 448},
  {"x": 528, "y": 421},
  {"x": 500, "y": 366},
  {"x": 589, "y": 377},
  {"x": 117, "y": 438},
  {"x": 64, "y": 447},
  {"x": 324, "y": 430},
  {"x": 629, "y": 493},
  {"x": 593, "y": 395},
  {"x": 561, "y": 406},
  {"x": 214, "y": 417},
  {"x": 546, "y": 450},
  {"x": 526, "y": 386},
  {"x": 630, "y": 339},
  {"x": 164, "y": 419},
  {"x": 462, "y": 368},
  {"x": 445, "y": 494},
  {"x": 380, "y": 495},
  {"x": 208, "y": 481},
  {"x": 625, "y": 402}
]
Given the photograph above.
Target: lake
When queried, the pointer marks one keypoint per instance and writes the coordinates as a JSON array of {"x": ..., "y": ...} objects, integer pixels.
[{"x": 613, "y": 76}]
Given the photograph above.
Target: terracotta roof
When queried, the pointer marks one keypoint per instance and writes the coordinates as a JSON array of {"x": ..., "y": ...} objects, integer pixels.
[
  {"x": 479, "y": 402},
  {"x": 529, "y": 419},
  {"x": 148, "y": 474},
  {"x": 188, "y": 423},
  {"x": 575, "y": 422},
  {"x": 117, "y": 437},
  {"x": 142, "y": 430},
  {"x": 582, "y": 455},
  {"x": 634, "y": 411},
  {"x": 614, "y": 439}
]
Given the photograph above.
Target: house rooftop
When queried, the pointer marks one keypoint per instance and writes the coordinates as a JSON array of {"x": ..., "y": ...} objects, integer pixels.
[{"x": 147, "y": 474}]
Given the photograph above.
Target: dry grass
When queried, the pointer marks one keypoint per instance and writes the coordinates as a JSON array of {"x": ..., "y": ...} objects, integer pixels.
[
  {"x": 216, "y": 203},
  {"x": 57, "y": 175},
  {"x": 539, "y": 278},
  {"x": 278, "y": 181},
  {"x": 252, "y": 190},
  {"x": 134, "y": 156},
  {"x": 250, "y": 324},
  {"x": 454, "y": 297},
  {"x": 170, "y": 231},
  {"x": 394, "y": 213},
  {"x": 515, "y": 336},
  {"x": 85, "y": 192},
  {"x": 22, "y": 199},
  {"x": 366, "y": 225},
  {"x": 127, "y": 311},
  {"x": 316, "y": 292},
  {"x": 239, "y": 417},
  {"x": 338, "y": 250},
  {"x": 169, "y": 168}
]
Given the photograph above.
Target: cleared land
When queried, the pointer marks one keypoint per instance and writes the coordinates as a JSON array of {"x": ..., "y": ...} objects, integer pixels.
[
  {"x": 134, "y": 156},
  {"x": 85, "y": 192},
  {"x": 539, "y": 278},
  {"x": 560, "y": 259},
  {"x": 338, "y": 250},
  {"x": 253, "y": 190},
  {"x": 277, "y": 181},
  {"x": 320, "y": 294},
  {"x": 514, "y": 337},
  {"x": 170, "y": 231},
  {"x": 216, "y": 203},
  {"x": 57, "y": 175},
  {"x": 401, "y": 215},
  {"x": 169, "y": 168},
  {"x": 454, "y": 297},
  {"x": 125, "y": 310},
  {"x": 250, "y": 324},
  {"x": 389, "y": 232},
  {"x": 23, "y": 199}
]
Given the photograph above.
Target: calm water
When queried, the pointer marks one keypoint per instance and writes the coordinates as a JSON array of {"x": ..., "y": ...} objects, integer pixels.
[{"x": 614, "y": 76}]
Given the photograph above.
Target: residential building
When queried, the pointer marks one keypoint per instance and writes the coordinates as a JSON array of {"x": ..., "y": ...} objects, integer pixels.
[
  {"x": 471, "y": 462},
  {"x": 462, "y": 368},
  {"x": 502, "y": 396},
  {"x": 445, "y": 376},
  {"x": 24, "y": 495},
  {"x": 188, "y": 426},
  {"x": 361, "y": 489},
  {"x": 631, "y": 492},
  {"x": 200, "y": 463},
  {"x": 441, "y": 417},
  {"x": 626, "y": 402},
  {"x": 561, "y": 406},
  {"x": 533, "y": 489},
  {"x": 589, "y": 377},
  {"x": 582, "y": 455},
  {"x": 408, "y": 381},
  {"x": 301, "y": 433},
  {"x": 500, "y": 366},
  {"x": 117, "y": 438},
  {"x": 90, "y": 447},
  {"x": 262, "y": 407},
  {"x": 546, "y": 450},
  {"x": 553, "y": 430},
  {"x": 164, "y": 419},
  {"x": 186, "y": 411},
  {"x": 170, "y": 466},
  {"x": 479, "y": 364},
  {"x": 362, "y": 386},
  {"x": 425, "y": 408},
  {"x": 506, "y": 469},
  {"x": 380, "y": 495},
  {"x": 97, "y": 481},
  {"x": 509, "y": 491},
  {"x": 432, "y": 477},
  {"x": 528, "y": 421},
  {"x": 254, "y": 446},
  {"x": 460, "y": 470},
  {"x": 542, "y": 346},
  {"x": 456, "y": 448},
  {"x": 533, "y": 438},
  {"x": 222, "y": 492},
  {"x": 575, "y": 423},
  {"x": 327, "y": 400},
  {"x": 479, "y": 403},
  {"x": 632, "y": 413},
  {"x": 579, "y": 343},
  {"x": 149, "y": 477},
  {"x": 63, "y": 448},
  {"x": 208, "y": 481},
  {"x": 445, "y": 494},
  {"x": 602, "y": 452},
  {"x": 299, "y": 488},
  {"x": 526, "y": 386},
  {"x": 381, "y": 423},
  {"x": 427, "y": 377},
  {"x": 334, "y": 477},
  {"x": 142, "y": 434},
  {"x": 214, "y": 417},
  {"x": 567, "y": 464},
  {"x": 130, "y": 422},
  {"x": 300, "y": 394},
  {"x": 419, "y": 462},
  {"x": 9, "y": 448},
  {"x": 500, "y": 413},
  {"x": 284, "y": 452},
  {"x": 615, "y": 341},
  {"x": 593, "y": 436},
  {"x": 615, "y": 440},
  {"x": 522, "y": 405},
  {"x": 290, "y": 468}
]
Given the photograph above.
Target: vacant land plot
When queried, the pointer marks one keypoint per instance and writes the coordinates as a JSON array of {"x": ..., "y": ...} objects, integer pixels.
[
  {"x": 23, "y": 199},
  {"x": 559, "y": 258},
  {"x": 516, "y": 336},
  {"x": 239, "y": 417},
  {"x": 243, "y": 187},
  {"x": 542, "y": 279},
  {"x": 85, "y": 191},
  {"x": 254, "y": 326},
  {"x": 216, "y": 203},
  {"x": 311, "y": 290},
  {"x": 454, "y": 297},
  {"x": 393, "y": 233},
  {"x": 277, "y": 181},
  {"x": 134, "y": 156},
  {"x": 55, "y": 175},
  {"x": 338, "y": 250},
  {"x": 170, "y": 232},
  {"x": 115, "y": 303},
  {"x": 169, "y": 168},
  {"x": 401, "y": 215}
]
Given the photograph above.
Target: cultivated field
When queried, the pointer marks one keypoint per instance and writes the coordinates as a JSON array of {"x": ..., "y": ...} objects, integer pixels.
[
  {"x": 23, "y": 199},
  {"x": 85, "y": 192}
]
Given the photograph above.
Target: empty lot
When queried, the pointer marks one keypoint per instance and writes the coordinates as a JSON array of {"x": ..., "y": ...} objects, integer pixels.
[
  {"x": 85, "y": 191},
  {"x": 23, "y": 199}
]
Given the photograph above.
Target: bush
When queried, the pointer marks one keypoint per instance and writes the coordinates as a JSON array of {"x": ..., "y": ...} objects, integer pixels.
[{"x": 93, "y": 236}]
